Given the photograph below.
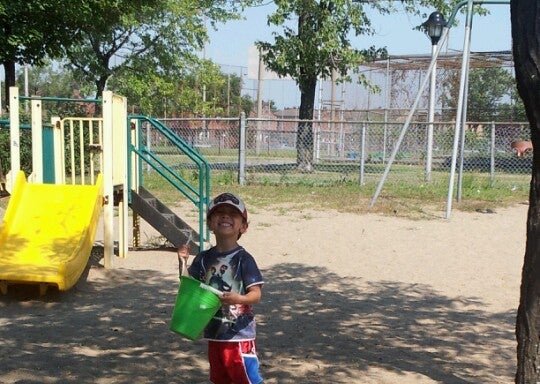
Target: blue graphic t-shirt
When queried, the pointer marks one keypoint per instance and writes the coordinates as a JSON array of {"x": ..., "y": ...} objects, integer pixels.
[{"x": 233, "y": 271}]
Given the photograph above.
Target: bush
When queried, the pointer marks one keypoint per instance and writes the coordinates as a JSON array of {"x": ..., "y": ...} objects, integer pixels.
[{"x": 25, "y": 146}]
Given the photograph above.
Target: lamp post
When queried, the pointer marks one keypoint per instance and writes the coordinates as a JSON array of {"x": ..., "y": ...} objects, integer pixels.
[{"x": 433, "y": 27}]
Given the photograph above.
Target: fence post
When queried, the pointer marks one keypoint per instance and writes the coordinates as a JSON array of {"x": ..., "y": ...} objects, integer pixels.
[
  {"x": 317, "y": 141},
  {"x": 242, "y": 150},
  {"x": 385, "y": 139},
  {"x": 362, "y": 154},
  {"x": 148, "y": 145},
  {"x": 492, "y": 155}
]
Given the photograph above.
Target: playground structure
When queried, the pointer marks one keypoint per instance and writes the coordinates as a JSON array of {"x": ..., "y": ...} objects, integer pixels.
[
  {"x": 48, "y": 232},
  {"x": 461, "y": 111},
  {"x": 82, "y": 168}
]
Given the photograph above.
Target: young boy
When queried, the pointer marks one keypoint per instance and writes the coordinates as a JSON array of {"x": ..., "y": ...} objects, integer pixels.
[{"x": 230, "y": 268}]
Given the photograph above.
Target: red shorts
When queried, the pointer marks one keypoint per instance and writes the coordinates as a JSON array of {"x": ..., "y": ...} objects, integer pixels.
[{"x": 233, "y": 362}]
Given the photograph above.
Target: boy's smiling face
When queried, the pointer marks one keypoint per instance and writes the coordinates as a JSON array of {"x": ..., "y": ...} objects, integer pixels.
[{"x": 227, "y": 221}]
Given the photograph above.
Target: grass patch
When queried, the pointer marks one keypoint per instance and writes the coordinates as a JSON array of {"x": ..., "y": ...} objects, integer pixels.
[
  {"x": 404, "y": 194},
  {"x": 406, "y": 197}
]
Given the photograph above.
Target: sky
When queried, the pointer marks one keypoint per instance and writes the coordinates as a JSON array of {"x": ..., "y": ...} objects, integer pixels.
[{"x": 230, "y": 43}]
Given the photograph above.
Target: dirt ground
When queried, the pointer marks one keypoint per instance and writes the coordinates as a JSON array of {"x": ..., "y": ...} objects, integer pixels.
[{"x": 347, "y": 299}]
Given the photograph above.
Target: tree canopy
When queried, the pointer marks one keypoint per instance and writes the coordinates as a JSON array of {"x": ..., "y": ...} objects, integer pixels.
[
  {"x": 160, "y": 38},
  {"x": 33, "y": 30},
  {"x": 492, "y": 96},
  {"x": 101, "y": 38},
  {"x": 316, "y": 41},
  {"x": 202, "y": 91}
]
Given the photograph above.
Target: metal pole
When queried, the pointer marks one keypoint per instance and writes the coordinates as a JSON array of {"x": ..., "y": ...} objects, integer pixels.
[
  {"x": 387, "y": 97},
  {"x": 318, "y": 126},
  {"x": 242, "y": 150},
  {"x": 26, "y": 87},
  {"x": 492, "y": 156},
  {"x": 258, "y": 138},
  {"x": 333, "y": 98},
  {"x": 148, "y": 146},
  {"x": 362, "y": 154},
  {"x": 431, "y": 116},
  {"x": 409, "y": 118},
  {"x": 462, "y": 136},
  {"x": 341, "y": 146},
  {"x": 415, "y": 104},
  {"x": 459, "y": 108},
  {"x": 228, "y": 94}
]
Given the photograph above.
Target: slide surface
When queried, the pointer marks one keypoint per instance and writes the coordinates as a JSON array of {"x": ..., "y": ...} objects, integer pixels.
[{"x": 48, "y": 232}]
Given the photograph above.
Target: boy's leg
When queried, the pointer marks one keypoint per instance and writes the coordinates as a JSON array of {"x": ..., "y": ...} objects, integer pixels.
[
  {"x": 251, "y": 362},
  {"x": 239, "y": 360},
  {"x": 218, "y": 372}
]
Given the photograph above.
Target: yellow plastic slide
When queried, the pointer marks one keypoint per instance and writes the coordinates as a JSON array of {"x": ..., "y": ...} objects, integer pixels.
[{"x": 48, "y": 232}]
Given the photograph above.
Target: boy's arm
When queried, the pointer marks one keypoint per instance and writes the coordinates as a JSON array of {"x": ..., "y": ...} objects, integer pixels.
[{"x": 253, "y": 296}]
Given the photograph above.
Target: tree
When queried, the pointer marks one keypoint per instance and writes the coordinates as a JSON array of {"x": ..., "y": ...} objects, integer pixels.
[
  {"x": 515, "y": 110},
  {"x": 491, "y": 95},
  {"x": 320, "y": 45},
  {"x": 32, "y": 30},
  {"x": 526, "y": 50},
  {"x": 52, "y": 79},
  {"x": 158, "y": 38},
  {"x": 49, "y": 79},
  {"x": 153, "y": 93},
  {"x": 489, "y": 87}
]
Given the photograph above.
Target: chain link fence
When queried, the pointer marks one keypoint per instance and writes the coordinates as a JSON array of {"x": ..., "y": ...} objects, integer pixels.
[{"x": 267, "y": 151}]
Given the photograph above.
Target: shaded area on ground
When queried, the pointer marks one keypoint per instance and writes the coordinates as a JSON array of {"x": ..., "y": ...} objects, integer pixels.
[{"x": 315, "y": 327}]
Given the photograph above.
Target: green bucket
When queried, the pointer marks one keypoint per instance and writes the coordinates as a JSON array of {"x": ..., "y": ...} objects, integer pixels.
[{"x": 196, "y": 304}]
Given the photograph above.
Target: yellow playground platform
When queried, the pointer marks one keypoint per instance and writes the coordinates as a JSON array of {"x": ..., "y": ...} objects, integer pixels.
[{"x": 47, "y": 233}]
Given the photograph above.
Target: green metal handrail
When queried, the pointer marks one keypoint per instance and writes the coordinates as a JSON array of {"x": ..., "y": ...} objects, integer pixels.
[
  {"x": 59, "y": 99},
  {"x": 199, "y": 196}
]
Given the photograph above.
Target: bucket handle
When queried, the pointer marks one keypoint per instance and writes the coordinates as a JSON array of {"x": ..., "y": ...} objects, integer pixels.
[{"x": 211, "y": 289}]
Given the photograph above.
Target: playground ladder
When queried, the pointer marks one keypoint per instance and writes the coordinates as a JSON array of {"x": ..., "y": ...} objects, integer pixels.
[{"x": 141, "y": 201}]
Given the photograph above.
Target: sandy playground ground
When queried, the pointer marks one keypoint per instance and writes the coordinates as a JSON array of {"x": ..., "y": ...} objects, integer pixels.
[{"x": 348, "y": 299}]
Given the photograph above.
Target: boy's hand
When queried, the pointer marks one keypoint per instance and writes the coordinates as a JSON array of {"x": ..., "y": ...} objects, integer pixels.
[
  {"x": 253, "y": 296},
  {"x": 231, "y": 298},
  {"x": 183, "y": 252},
  {"x": 183, "y": 255}
]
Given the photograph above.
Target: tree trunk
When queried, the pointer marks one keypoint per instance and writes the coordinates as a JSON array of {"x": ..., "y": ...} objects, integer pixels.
[
  {"x": 9, "y": 71},
  {"x": 525, "y": 17},
  {"x": 304, "y": 137},
  {"x": 101, "y": 83}
]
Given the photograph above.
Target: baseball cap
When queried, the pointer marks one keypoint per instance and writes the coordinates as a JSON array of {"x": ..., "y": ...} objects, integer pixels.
[{"x": 228, "y": 199}]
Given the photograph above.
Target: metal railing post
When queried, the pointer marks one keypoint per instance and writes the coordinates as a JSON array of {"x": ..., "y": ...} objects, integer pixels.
[
  {"x": 242, "y": 150},
  {"x": 492, "y": 156},
  {"x": 362, "y": 154}
]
